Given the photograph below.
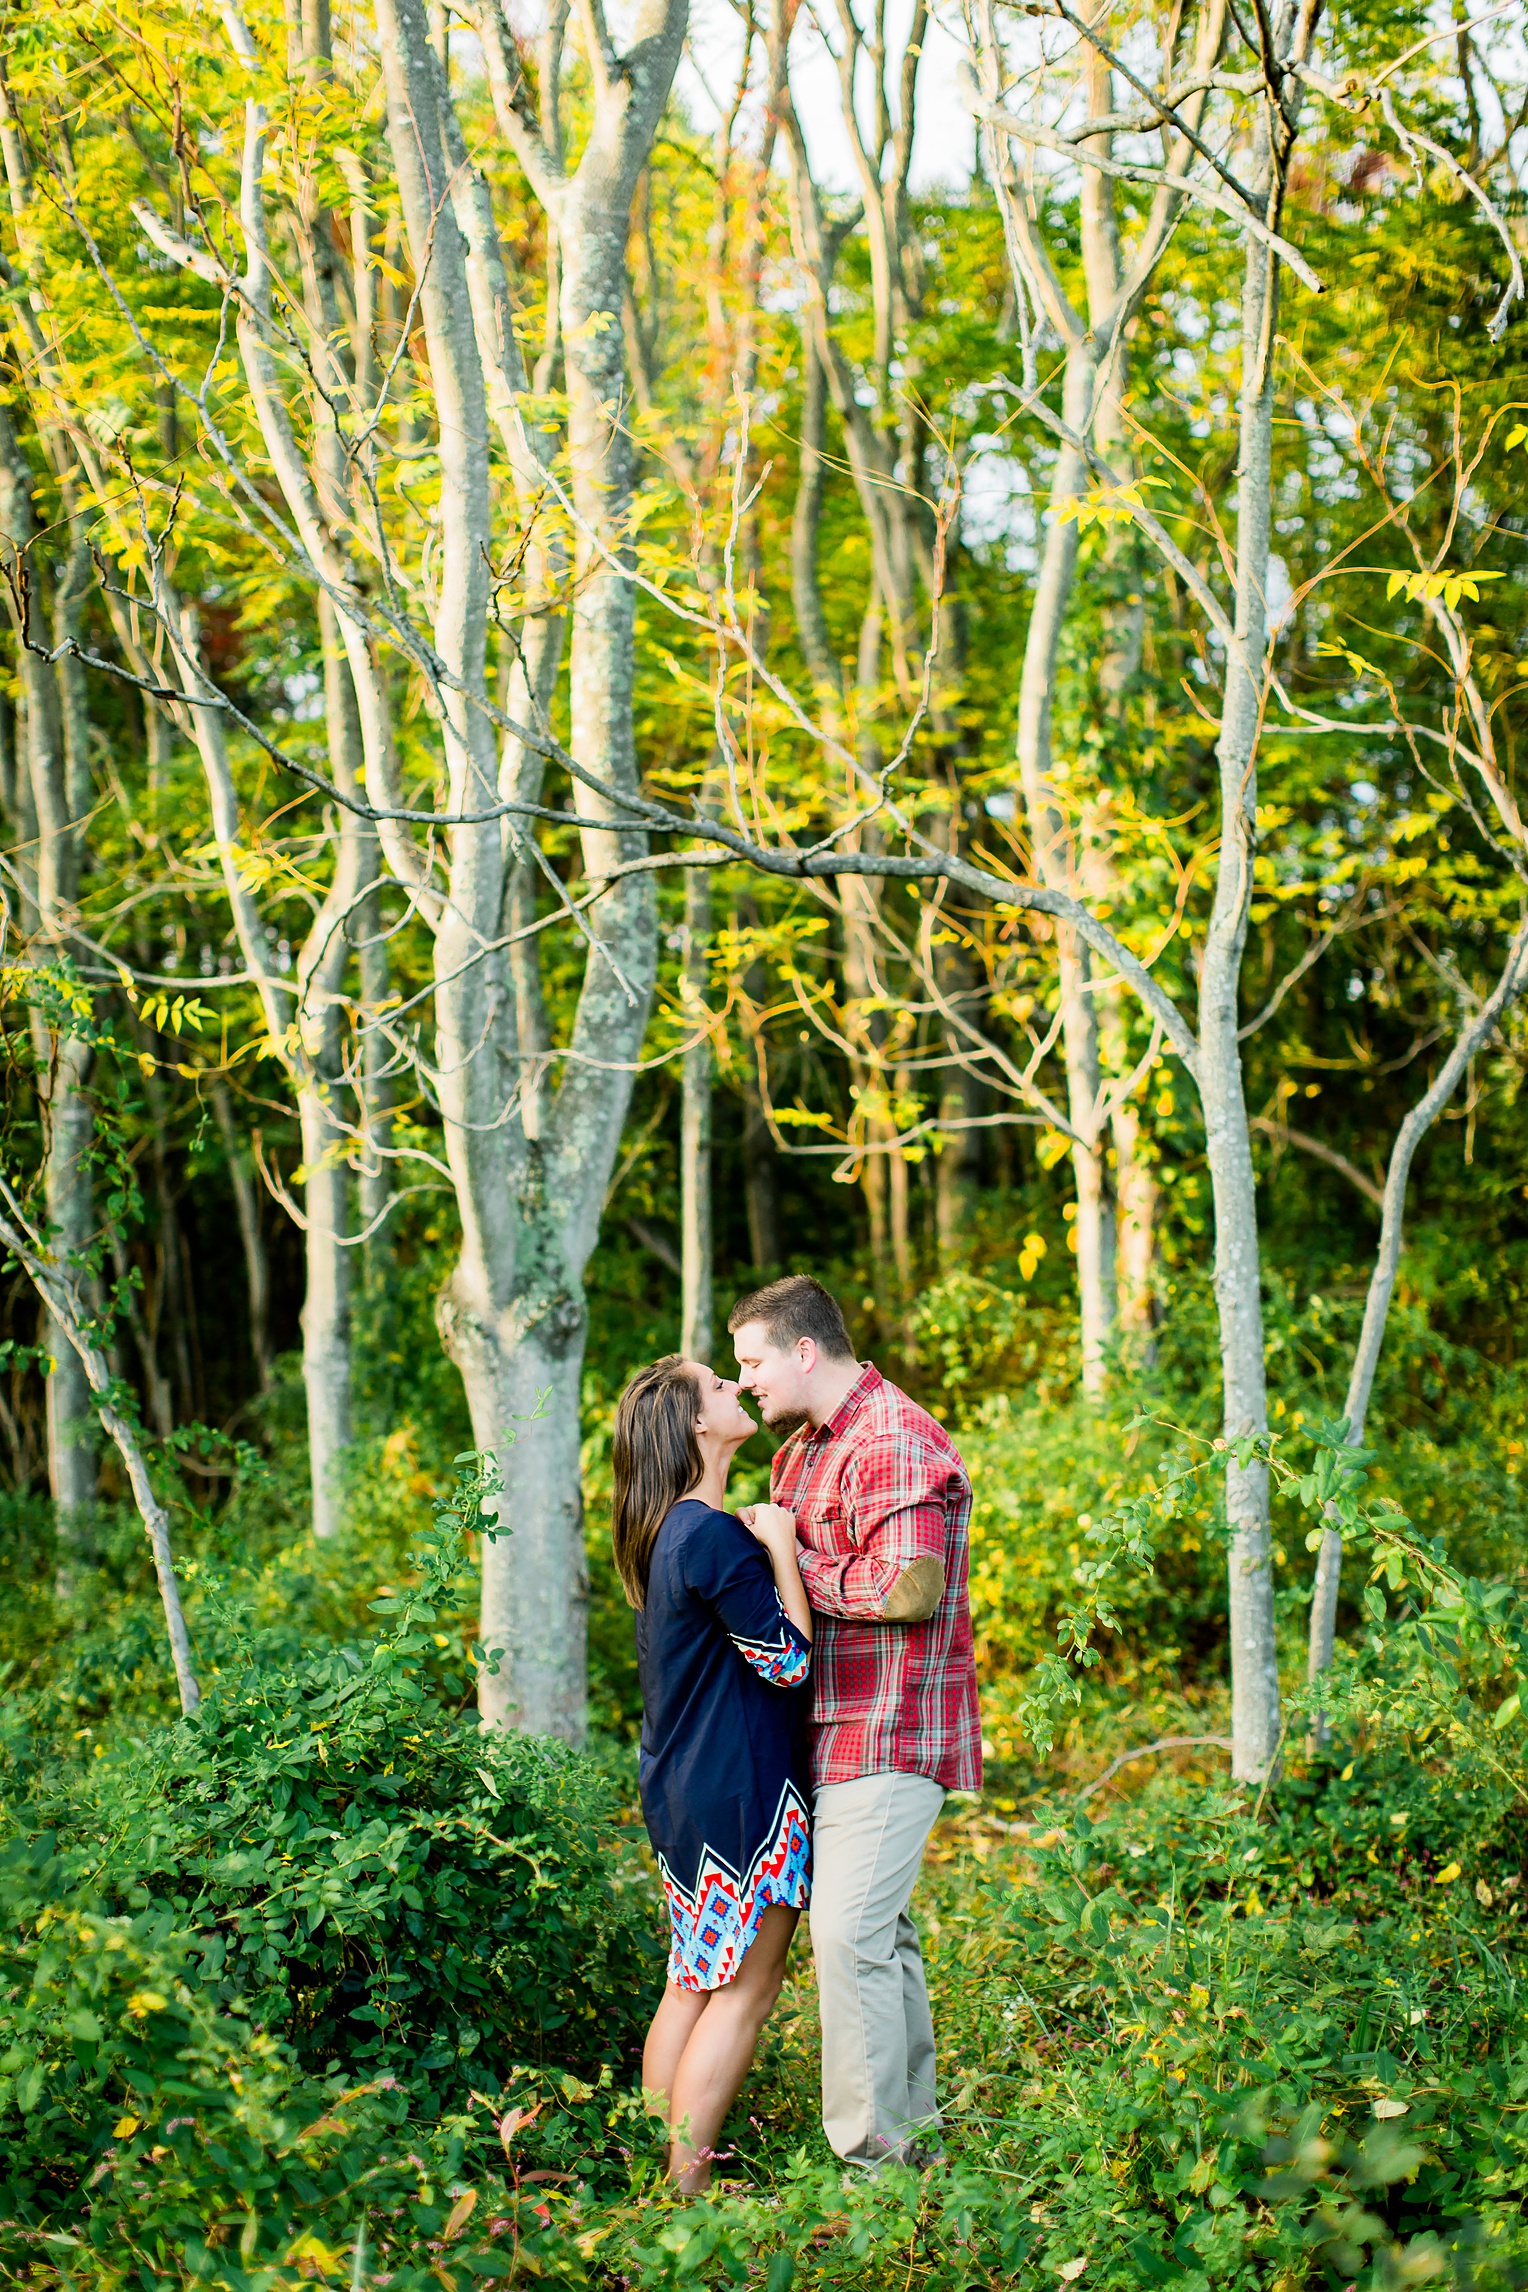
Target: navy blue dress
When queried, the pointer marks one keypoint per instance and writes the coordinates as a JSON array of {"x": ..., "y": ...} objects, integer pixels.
[{"x": 723, "y": 1761}]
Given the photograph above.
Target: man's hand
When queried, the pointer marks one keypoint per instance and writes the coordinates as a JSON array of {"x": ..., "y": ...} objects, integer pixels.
[{"x": 774, "y": 1527}]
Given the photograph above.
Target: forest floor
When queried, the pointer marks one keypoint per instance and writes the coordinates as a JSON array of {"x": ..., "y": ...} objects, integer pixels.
[{"x": 1185, "y": 2038}]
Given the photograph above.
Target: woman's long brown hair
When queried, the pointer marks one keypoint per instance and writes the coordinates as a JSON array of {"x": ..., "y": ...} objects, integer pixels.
[{"x": 657, "y": 1460}]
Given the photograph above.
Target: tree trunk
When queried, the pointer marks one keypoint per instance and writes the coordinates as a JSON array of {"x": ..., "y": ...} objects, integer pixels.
[
  {"x": 71, "y": 1418},
  {"x": 1255, "y": 1724},
  {"x": 958, "y": 1167},
  {"x": 957, "y": 1176},
  {"x": 1056, "y": 865},
  {"x": 760, "y": 1186},
  {"x": 535, "y": 1578},
  {"x": 375, "y": 1182},
  {"x": 1134, "y": 1187},
  {"x": 310, "y": 1066},
  {"x": 1135, "y": 1184},
  {"x": 512, "y": 1315},
  {"x": 696, "y": 1335},
  {"x": 257, "y": 1270},
  {"x": 1112, "y": 299},
  {"x": 66, "y": 1310},
  {"x": 52, "y": 761},
  {"x": 325, "y": 1304},
  {"x": 806, "y": 521},
  {"x": 1136, "y": 1191},
  {"x": 326, "y": 1148},
  {"x": 1093, "y": 1229},
  {"x": 1419, "y": 1120}
]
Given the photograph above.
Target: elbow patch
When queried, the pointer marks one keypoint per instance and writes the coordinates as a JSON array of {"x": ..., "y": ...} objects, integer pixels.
[{"x": 916, "y": 1592}]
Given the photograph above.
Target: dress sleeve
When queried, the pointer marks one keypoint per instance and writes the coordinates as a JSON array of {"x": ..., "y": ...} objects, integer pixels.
[{"x": 726, "y": 1569}]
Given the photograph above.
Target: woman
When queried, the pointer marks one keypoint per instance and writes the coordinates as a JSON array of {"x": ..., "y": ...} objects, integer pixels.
[{"x": 724, "y": 1639}]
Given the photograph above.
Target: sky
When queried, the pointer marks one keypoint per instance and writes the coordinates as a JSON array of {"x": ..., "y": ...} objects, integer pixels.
[{"x": 942, "y": 150}]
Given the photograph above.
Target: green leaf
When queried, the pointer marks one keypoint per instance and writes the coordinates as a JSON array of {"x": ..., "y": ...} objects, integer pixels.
[
  {"x": 782, "y": 2273},
  {"x": 1151, "y": 2265},
  {"x": 1507, "y": 1712}
]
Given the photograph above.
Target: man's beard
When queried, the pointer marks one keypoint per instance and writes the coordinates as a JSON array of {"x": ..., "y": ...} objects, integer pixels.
[{"x": 784, "y": 1420}]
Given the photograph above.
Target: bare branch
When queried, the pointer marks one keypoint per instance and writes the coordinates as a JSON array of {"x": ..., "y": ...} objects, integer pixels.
[
  {"x": 1320, "y": 1152},
  {"x": 1129, "y": 171}
]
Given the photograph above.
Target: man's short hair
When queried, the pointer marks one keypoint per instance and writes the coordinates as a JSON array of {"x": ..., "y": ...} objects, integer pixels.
[{"x": 794, "y": 1308}]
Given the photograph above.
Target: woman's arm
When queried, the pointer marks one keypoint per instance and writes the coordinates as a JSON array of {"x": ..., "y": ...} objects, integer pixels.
[{"x": 775, "y": 1529}]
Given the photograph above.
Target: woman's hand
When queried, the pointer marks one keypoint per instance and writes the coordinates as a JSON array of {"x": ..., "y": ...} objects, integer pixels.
[{"x": 774, "y": 1527}]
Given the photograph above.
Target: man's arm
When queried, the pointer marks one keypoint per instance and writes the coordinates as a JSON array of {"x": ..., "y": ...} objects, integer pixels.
[{"x": 896, "y": 1572}]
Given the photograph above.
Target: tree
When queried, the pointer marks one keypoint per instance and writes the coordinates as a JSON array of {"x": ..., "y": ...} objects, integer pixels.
[{"x": 1065, "y": 840}]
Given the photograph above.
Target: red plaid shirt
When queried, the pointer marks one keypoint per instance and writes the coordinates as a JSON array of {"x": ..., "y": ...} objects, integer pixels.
[{"x": 877, "y": 1486}]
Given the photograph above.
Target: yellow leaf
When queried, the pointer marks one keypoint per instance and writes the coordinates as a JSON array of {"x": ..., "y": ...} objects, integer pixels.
[
  {"x": 150, "y": 2001},
  {"x": 1390, "y": 2108},
  {"x": 315, "y": 2258},
  {"x": 1070, "y": 2270},
  {"x": 1447, "y": 1874},
  {"x": 125, "y": 2128},
  {"x": 459, "y": 2215},
  {"x": 1347, "y": 1773}
]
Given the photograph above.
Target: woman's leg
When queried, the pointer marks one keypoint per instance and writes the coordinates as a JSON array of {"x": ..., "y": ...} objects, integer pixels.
[
  {"x": 719, "y": 2049},
  {"x": 667, "y": 2036}
]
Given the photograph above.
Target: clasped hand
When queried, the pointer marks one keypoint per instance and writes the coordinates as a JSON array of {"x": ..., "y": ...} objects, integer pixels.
[{"x": 774, "y": 1527}]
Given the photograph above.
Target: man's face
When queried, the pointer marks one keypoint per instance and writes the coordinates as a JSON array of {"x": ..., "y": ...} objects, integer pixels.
[{"x": 778, "y": 1377}]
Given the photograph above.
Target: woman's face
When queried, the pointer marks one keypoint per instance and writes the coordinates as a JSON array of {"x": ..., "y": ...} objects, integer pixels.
[{"x": 723, "y": 1422}]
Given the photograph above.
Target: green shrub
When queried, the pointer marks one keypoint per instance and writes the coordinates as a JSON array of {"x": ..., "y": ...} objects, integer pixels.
[
  {"x": 327, "y": 1877},
  {"x": 215, "y": 2160},
  {"x": 1190, "y": 2071}
]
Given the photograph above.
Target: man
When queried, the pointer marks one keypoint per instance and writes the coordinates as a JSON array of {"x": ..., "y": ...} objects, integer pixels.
[{"x": 883, "y": 1508}]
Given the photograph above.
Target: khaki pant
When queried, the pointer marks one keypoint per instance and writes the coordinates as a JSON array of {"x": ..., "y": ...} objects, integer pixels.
[{"x": 868, "y": 1838}]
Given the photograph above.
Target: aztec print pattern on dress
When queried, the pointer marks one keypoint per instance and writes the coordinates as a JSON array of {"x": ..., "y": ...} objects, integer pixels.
[
  {"x": 711, "y": 1929},
  {"x": 782, "y": 1662}
]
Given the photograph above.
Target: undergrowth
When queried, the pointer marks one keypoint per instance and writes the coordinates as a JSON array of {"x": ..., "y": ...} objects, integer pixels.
[{"x": 323, "y": 1986}]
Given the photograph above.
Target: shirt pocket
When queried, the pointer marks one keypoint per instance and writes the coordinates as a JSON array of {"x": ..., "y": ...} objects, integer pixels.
[{"x": 832, "y": 1529}]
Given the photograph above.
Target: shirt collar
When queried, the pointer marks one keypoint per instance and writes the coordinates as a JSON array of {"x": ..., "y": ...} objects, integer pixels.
[{"x": 868, "y": 1381}]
